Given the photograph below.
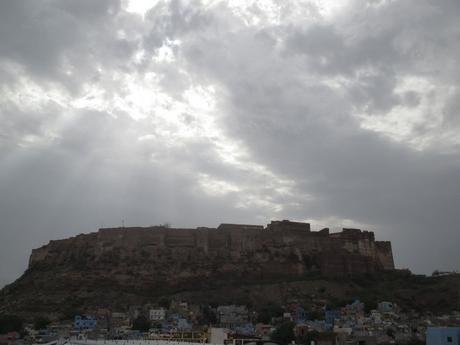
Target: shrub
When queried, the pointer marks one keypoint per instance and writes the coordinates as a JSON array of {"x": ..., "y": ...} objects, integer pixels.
[
  {"x": 41, "y": 322},
  {"x": 10, "y": 323},
  {"x": 141, "y": 324},
  {"x": 284, "y": 333}
]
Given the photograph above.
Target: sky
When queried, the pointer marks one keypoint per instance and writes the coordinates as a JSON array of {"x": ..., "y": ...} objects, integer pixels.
[{"x": 196, "y": 113}]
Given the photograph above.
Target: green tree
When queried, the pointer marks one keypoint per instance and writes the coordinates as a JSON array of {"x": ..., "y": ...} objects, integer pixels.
[
  {"x": 41, "y": 322},
  {"x": 164, "y": 302},
  {"x": 141, "y": 324},
  {"x": 316, "y": 336},
  {"x": 415, "y": 341},
  {"x": 268, "y": 312},
  {"x": 391, "y": 333},
  {"x": 284, "y": 333},
  {"x": 208, "y": 316},
  {"x": 317, "y": 315},
  {"x": 10, "y": 323},
  {"x": 69, "y": 313}
]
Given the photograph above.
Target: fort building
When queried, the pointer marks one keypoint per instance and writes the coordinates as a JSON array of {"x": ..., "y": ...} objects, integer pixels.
[{"x": 283, "y": 248}]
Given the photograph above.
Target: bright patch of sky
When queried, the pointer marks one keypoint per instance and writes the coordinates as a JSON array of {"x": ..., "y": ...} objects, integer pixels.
[
  {"x": 418, "y": 121},
  {"x": 140, "y": 6}
]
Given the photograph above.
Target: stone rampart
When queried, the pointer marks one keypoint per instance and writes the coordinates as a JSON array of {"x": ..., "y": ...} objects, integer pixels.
[{"x": 283, "y": 248}]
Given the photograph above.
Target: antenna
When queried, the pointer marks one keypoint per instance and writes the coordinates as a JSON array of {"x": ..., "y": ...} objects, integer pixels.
[{"x": 123, "y": 223}]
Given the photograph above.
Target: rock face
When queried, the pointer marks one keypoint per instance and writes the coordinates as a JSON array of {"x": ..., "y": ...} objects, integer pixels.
[{"x": 158, "y": 260}]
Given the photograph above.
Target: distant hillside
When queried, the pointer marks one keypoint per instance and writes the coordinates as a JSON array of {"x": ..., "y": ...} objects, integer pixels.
[{"x": 411, "y": 292}]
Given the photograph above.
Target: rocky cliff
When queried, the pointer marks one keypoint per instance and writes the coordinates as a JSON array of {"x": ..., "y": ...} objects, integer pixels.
[{"x": 130, "y": 265}]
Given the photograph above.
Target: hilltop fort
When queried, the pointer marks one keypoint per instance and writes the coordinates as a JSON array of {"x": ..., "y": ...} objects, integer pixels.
[
  {"x": 281, "y": 262},
  {"x": 142, "y": 262},
  {"x": 290, "y": 246}
]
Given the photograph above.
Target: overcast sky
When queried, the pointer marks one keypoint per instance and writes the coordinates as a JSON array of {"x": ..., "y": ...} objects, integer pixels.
[{"x": 341, "y": 113}]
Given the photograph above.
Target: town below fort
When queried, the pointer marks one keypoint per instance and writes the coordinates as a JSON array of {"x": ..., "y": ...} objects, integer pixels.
[{"x": 234, "y": 284}]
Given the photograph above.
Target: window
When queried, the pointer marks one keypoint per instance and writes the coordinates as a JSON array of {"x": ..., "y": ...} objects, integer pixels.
[{"x": 449, "y": 339}]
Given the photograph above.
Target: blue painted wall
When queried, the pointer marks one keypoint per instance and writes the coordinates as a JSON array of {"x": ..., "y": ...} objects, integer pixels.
[
  {"x": 443, "y": 336},
  {"x": 85, "y": 322}
]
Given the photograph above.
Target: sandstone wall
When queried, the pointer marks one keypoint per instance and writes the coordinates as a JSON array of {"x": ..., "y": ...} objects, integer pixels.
[{"x": 384, "y": 254}]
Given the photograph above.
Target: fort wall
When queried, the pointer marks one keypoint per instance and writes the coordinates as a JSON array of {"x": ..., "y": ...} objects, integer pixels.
[{"x": 282, "y": 249}]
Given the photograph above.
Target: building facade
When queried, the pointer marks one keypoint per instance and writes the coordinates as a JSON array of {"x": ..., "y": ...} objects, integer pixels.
[
  {"x": 443, "y": 336},
  {"x": 85, "y": 322},
  {"x": 157, "y": 314}
]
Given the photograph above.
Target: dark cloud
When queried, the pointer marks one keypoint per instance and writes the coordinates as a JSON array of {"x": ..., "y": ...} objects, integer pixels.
[{"x": 200, "y": 113}]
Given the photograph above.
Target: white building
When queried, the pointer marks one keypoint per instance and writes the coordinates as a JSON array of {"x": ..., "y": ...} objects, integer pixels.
[
  {"x": 386, "y": 307},
  {"x": 218, "y": 335},
  {"x": 157, "y": 314},
  {"x": 231, "y": 315}
]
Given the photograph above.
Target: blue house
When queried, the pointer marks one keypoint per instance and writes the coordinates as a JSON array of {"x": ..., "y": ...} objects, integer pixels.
[
  {"x": 85, "y": 322},
  {"x": 183, "y": 325},
  {"x": 245, "y": 329},
  {"x": 300, "y": 315},
  {"x": 331, "y": 315},
  {"x": 443, "y": 336}
]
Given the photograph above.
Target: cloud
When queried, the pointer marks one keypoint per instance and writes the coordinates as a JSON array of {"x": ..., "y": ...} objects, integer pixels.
[{"x": 198, "y": 113}]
